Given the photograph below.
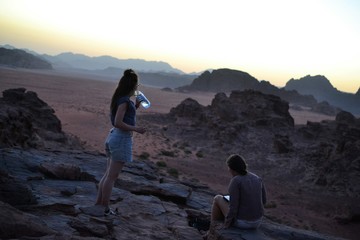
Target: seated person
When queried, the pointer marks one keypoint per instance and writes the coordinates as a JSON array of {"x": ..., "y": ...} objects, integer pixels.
[{"x": 245, "y": 208}]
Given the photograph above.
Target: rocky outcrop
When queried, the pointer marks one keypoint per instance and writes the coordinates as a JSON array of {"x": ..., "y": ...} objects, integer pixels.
[
  {"x": 250, "y": 108},
  {"x": 147, "y": 202},
  {"x": 22, "y": 59},
  {"x": 333, "y": 160},
  {"x": 16, "y": 224},
  {"x": 319, "y": 154},
  {"x": 27, "y": 121},
  {"x": 64, "y": 202},
  {"x": 50, "y": 194},
  {"x": 325, "y": 108},
  {"x": 267, "y": 231}
]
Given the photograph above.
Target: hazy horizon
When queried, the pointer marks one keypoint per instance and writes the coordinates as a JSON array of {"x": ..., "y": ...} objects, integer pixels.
[{"x": 271, "y": 40}]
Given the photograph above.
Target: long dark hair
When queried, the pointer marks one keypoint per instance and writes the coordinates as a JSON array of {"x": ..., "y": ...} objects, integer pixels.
[
  {"x": 237, "y": 163},
  {"x": 127, "y": 83}
]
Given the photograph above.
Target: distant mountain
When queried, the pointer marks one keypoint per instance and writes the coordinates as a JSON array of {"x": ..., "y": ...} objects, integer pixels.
[
  {"x": 318, "y": 86},
  {"x": 223, "y": 80},
  {"x": 157, "y": 74},
  {"x": 81, "y": 61},
  {"x": 96, "y": 63},
  {"x": 22, "y": 59},
  {"x": 155, "y": 79},
  {"x": 321, "y": 88},
  {"x": 227, "y": 80}
]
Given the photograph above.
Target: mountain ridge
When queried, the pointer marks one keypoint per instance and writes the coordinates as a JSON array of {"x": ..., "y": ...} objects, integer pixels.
[
  {"x": 82, "y": 61},
  {"x": 23, "y": 59},
  {"x": 316, "y": 92},
  {"x": 308, "y": 92},
  {"x": 77, "y": 60},
  {"x": 322, "y": 89}
]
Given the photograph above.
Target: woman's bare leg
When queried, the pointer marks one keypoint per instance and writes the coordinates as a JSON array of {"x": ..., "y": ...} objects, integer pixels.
[
  {"x": 101, "y": 184},
  {"x": 108, "y": 183},
  {"x": 220, "y": 208}
]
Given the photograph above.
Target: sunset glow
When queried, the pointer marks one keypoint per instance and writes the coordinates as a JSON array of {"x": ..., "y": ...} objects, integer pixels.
[{"x": 271, "y": 40}]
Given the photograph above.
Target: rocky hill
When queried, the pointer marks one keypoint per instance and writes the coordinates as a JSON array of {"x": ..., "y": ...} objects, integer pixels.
[
  {"x": 223, "y": 80},
  {"x": 22, "y": 59},
  {"x": 321, "y": 88},
  {"x": 227, "y": 80},
  {"x": 318, "y": 86},
  {"x": 322, "y": 154},
  {"x": 47, "y": 192}
]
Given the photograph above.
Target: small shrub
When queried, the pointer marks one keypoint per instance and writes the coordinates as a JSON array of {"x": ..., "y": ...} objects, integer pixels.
[
  {"x": 187, "y": 151},
  {"x": 200, "y": 154},
  {"x": 173, "y": 172},
  {"x": 167, "y": 153},
  {"x": 270, "y": 205},
  {"x": 144, "y": 155},
  {"x": 161, "y": 164}
]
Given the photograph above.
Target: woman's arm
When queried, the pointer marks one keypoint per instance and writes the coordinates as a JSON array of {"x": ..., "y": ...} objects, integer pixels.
[
  {"x": 119, "y": 123},
  {"x": 233, "y": 204}
]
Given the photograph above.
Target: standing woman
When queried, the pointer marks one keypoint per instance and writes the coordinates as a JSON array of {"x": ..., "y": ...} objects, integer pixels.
[{"x": 118, "y": 144}]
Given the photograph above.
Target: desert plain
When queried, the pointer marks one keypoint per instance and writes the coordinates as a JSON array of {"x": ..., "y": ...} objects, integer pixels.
[{"x": 82, "y": 105}]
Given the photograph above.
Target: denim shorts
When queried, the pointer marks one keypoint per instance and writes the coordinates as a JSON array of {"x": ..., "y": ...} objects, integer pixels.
[
  {"x": 243, "y": 224},
  {"x": 118, "y": 145}
]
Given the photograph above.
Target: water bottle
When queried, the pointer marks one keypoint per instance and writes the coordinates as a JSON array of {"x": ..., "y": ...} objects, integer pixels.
[{"x": 142, "y": 99}]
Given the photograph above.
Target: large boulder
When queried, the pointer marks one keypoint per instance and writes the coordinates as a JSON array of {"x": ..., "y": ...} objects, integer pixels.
[{"x": 27, "y": 121}]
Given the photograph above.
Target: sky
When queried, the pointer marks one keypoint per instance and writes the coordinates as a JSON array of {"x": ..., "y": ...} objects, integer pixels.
[{"x": 271, "y": 40}]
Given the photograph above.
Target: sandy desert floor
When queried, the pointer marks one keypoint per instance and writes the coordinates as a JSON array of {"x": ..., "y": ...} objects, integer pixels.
[{"x": 82, "y": 106}]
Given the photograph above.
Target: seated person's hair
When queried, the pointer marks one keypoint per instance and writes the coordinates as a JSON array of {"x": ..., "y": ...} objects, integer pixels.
[{"x": 237, "y": 163}]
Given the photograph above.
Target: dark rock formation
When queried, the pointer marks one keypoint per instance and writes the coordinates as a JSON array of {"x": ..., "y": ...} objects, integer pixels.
[
  {"x": 282, "y": 144},
  {"x": 223, "y": 80},
  {"x": 266, "y": 231},
  {"x": 27, "y": 121},
  {"x": 314, "y": 85},
  {"x": 16, "y": 224},
  {"x": 321, "y": 88},
  {"x": 325, "y": 108},
  {"x": 345, "y": 117},
  {"x": 227, "y": 80},
  {"x": 64, "y": 208},
  {"x": 240, "y": 108},
  {"x": 22, "y": 59},
  {"x": 324, "y": 154},
  {"x": 333, "y": 160},
  {"x": 56, "y": 189}
]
